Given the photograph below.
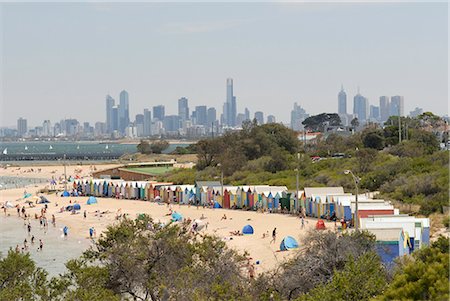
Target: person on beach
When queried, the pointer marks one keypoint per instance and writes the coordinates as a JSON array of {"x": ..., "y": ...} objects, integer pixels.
[
  {"x": 53, "y": 220},
  {"x": 303, "y": 222},
  {"x": 32, "y": 240},
  {"x": 65, "y": 231},
  {"x": 274, "y": 235},
  {"x": 84, "y": 214},
  {"x": 4, "y": 209},
  {"x": 29, "y": 228},
  {"x": 41, "y": 245},
  {"x": 18, "y": 211},
  {"x": 17, "y": 249},
  {"x": 25, "y": 246},
  {"x": 23, "y": 210},
  {"x": 224, "y": 217}
]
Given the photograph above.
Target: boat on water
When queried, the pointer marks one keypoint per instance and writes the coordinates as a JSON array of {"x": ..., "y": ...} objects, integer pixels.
[
  {"x": 51, "y": 147},
  {"x": 26, "y": 147},
  {"x": 5, "y": 151},
  {"x": 106, "y": 147},
  {"x": 78, "y": 146}
]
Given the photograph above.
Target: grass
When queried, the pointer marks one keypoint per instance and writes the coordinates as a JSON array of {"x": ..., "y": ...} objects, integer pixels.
[{"x": 152, "y": 170}]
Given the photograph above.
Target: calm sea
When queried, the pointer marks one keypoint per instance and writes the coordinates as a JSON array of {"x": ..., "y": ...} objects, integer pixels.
[{"x": 57, "y": 250}]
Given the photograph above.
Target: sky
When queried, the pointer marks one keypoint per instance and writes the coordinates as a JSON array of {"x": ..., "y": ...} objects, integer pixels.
[{"x": 60, "y": 60}]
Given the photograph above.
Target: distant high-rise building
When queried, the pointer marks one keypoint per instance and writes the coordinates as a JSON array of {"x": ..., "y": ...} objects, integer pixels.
[
  {"x": 99, "y": 128},
  {"x": 361, "y": 107},
  {"x": 417, "y": 111},
  {"x": 201, "y": 115},
  {"x": 47, "y": 128},
  {"x": 159, "y": 112},
  {"x": 212, "y": 116},
  {"x": 22, "y": 127},
  {"x": 374, "y": 113},
  {"x": 115, "y": 118},
  {"x": 139, "y": 124},
  {"x": 183, "y": 108},
  {"x": 172, "y": 123},
  {"x": 247, "y": 114},
  {"x": 384, "y": 108},
  {"x": 230, "y": 108},
  {"x": 271, "y": 119},
  {"x": 240, "y": 118},
  {"x": 259, "y": 116},
  {"x": 147, "y": 122},
  {"x": 397, "y": 106},
  {"x": 124, "y": 111},
  {"x": 298, "y": 115},
  {"x": 109, "y": 108},
  {"x": 342, "y": 102}
]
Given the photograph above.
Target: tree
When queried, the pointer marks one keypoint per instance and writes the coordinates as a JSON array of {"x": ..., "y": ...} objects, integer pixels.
[
  {"x": 373, "y": 139},
  {"x": 355, "y": 122},
  {"x": 360, "y": 280},
  {"x": 157, "y": 147},
  {"x": 318, "y": 123},
  {"x": 422, "y": 276},
  {"x": 144, "y": 147},
  {"x": 20, "y": 279}
]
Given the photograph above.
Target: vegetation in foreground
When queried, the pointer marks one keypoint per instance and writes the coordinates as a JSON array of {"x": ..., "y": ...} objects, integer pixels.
[
  {"x": 414, "y": 171},
  {"x": 142, "y": 260}
]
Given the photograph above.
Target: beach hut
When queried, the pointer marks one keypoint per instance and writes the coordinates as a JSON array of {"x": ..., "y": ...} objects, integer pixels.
[
  {"x": 91, "y": 200},
  {"x": 176, "y": 217},
  {"x": 248, "y": 229},
  {"x": 288, "y": 243}
]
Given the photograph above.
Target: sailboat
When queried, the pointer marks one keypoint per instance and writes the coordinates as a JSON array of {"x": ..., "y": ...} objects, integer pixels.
[
  {"x": 5, "y": 151},
  {"x": 106, "y": 147},
  {"x": 51, "y": 147},
  {"x": 26, "y": 147},
  {"x": 78, "y": 146}
]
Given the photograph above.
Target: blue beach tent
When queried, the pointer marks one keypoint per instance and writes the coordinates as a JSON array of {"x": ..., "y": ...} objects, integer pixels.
[
  {"x": 43, "y": 200},
  {"x": 247, "y": 230},
  {"x": 217, "y": 205},
  {"x": 65, "y": 193},
  {"x": 176, "y": 217},
  {"x": 91, "y": 200},
  {"x": 288, "y": 243}
]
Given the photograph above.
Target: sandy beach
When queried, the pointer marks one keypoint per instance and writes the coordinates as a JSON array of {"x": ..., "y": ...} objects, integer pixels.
[{"x": 259, "y": 248}]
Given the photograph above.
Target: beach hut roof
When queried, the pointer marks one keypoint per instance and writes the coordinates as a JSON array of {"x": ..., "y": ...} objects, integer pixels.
[
  {"x": 392, "y": 234},
  {"x": 207, "y": 183},
  {"x": 310, "y": 191}
]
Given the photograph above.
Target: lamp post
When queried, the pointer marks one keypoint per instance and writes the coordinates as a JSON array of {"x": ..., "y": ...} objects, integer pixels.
[
  {"x": 297, "y": 170},
  {"x": 356, "y": 180}
]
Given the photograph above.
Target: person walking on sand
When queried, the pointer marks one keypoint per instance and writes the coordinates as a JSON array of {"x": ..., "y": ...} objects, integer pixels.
[
  {"x": 29, "y": 228},
  {"x": 65, "y": 231},
  {"x": 274, "y": 235},
  {"x": 32, "y": 240},
  {"x": 53, "y": 220},
  {"x": 41, "y": 245},
  {"x": 303, "y": 222},
  {"x": 84, "y": 214}
]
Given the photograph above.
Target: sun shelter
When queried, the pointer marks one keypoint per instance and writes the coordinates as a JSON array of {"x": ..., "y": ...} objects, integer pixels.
[
  {"x": 176, "y": 217},
  {"x": 73, "y": 207},
  {"x": 65, "y": 193},
  {"x": 217, "y": 205},
  {"x": 43, "y": 200},
  {"x": 320, "y": 225},
  {"x": 91, "y": 200},
  {"x": 288, "y": 243},
  {"x": 248, "y": 229},
  {"x": 27, "y": 195},
  {"x": 8, "y": 204}
]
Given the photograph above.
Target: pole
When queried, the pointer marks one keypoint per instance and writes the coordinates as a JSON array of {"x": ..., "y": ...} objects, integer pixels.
[
  {"x": 356, "y": 205},
  {"x": 298, "y": 167},
  {"x": 221, "y": 178},
  {"x": 65, "y": 174},
  {"x": 399, "y": 126}
]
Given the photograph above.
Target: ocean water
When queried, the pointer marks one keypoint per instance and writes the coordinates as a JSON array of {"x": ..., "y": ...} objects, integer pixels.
[
  {"x": 18, "y": 182},
  {"x": 64, "y": 147},
  {"x": 56, "y": 251}
]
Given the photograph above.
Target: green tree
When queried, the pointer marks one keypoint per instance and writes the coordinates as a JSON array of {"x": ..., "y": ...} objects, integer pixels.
[
  {"x": 360, "y": 280},
  {"x": 317, "y": 123},
  {"x": 157, "y": 147},
  {"x": 373, "y": 139},
  {"x": 144, "y": 147},
  {"x": 20, "y": 279}
]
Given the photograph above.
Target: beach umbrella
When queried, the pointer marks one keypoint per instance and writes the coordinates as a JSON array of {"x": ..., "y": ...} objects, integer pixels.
[
  {"x": 176, "y": 217},
  {"x": 247, "y": 230},
  {"x": 27, "y": 195},
  {"x": 288, "y": 243}
]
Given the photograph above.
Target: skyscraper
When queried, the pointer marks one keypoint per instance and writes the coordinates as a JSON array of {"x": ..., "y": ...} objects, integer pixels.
[
  {"x": 384, "y": 108},
  {"x": 374, "y": 113},
  {"x": 183, "y": 108},
  {"x": 139, "y": 124},
  {"x": 212, "y": 116},
  {"x": 159, "y": 112},
  {"x": 397, "y": 106},
  {"x": 147, "y": 122},
  {"x": 229, "y": 108},
  {"x": 298, "y": 115},
  {"x": 247, "y": 114},
  {"x": 361, "y": 107},
  {"x": 259, "y": 116},
  {"x": 202, "y": 117},
  {"x": 342, "y": 102},
  {"x": 172, "y": 123},
  {"x": 22, "y": 127},
  {"x": 109, "y": 107},
  {"x": 114, "y": 118},
  {"x": 124, "y": 111}
]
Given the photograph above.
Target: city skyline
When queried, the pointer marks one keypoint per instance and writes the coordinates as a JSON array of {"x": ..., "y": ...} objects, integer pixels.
[{"x": 276, "y": 53}]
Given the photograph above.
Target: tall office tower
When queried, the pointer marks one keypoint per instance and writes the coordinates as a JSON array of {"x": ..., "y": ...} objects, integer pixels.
[
  {"x": 147, "y": 123},
  {"x": 124, "y": 111},
  {"x": 139, "y": 124},
  {"x": 298, "y": 115},
  {"x": 229, "y": 107},
  {"x": 271, "y": 119},
  {"x": 115, "y": 118},
  {"x": 201, "y": 115},
  {"x": 397, "y": 106},
  {"x": 159, "y": 112},
  {"x": 22, "y": 127},
  {"x": 374, "y": 113},
  {"x": 183, "y": 108},
  {"x": 384, "y": 108},
  {"x": 240, "y": 118},
  {"x": 361, "y": 107},
  {"x": 259, "y": 116},
  {"x": 342, "y": 102},
  {"x": 47, "y": 128},
  {"x": 172, "y": 123},
  {"x": 417, "y": 111},
  {"x": 109, "y": 108},
  {"x": 247, "y": 114},
  {"x": 99, "y": 128},
  {"x": 212, "y": 116}
]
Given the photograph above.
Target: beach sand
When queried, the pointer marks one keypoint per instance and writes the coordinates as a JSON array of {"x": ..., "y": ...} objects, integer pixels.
[{"x": 260, "y": 249}]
